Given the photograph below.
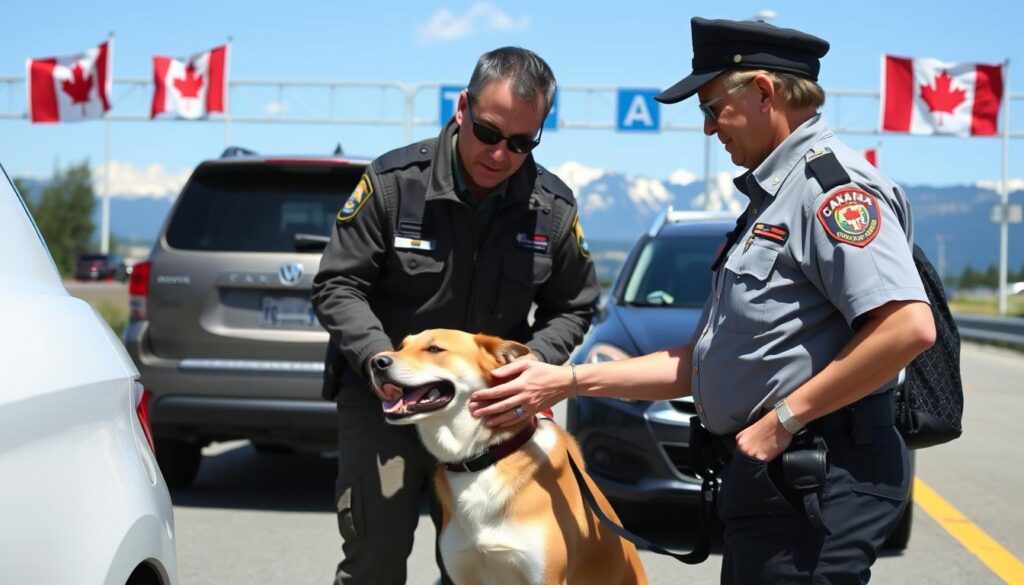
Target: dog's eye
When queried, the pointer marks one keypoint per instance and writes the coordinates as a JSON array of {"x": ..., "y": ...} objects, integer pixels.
[{"x": 435, "y": 349}]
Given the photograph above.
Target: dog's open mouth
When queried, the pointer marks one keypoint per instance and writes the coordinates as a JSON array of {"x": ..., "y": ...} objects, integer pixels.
[{"x": 426, "y": 398}]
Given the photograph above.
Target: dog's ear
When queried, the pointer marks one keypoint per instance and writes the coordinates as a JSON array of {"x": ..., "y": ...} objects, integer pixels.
[{"x": 503, "y": 350}]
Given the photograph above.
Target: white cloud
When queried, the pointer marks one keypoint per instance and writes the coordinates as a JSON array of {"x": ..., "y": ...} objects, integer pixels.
[
  {"x": 649, "y": 192},
  {"x": 577, "y": 176},
  {"x": 444, "y": 25},
  {"x": 1014, "y": 184},
  {"x": 596, "y": 202},
  {"x": 275, "y": 108},
  {"x": 128, "y": 180},
  {"x": 682, "y": 177}
]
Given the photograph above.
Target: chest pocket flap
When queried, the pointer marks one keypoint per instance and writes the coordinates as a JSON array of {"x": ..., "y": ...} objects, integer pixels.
[
  {"x": 746, "y": 287},
  {"x": 757, "y": 261}
]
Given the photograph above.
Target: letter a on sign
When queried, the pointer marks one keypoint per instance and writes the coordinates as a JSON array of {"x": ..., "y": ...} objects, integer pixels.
[{"x": 638, "y": 111}]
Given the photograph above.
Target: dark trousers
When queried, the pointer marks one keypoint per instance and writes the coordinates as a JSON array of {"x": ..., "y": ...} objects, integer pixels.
[
  {"x": 384, "y": 472},
  {"x": 767, "y": 536}
]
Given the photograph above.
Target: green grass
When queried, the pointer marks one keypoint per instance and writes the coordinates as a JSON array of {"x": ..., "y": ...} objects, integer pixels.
[
  {"x": 975, "y": 306},
  {"x": 116, "y": 315}
]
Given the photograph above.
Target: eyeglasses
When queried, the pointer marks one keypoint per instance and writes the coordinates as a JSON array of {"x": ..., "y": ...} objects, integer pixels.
[
  {"x": 706, "y": 107},
  {"x": 518, "y": 144}
]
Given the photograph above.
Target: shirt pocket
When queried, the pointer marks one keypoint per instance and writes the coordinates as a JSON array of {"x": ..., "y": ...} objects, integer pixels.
[
  {"x": 522, "y": 274},
  {"x": 416, "y": 274},
  {"x": 746, "y": 287}
]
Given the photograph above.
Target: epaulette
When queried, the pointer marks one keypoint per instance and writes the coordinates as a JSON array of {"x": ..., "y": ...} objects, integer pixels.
[
  {"x": 552, "y": 184},
  {"x": 825, "y": 167},
  {"x": 400, "y": 158}
]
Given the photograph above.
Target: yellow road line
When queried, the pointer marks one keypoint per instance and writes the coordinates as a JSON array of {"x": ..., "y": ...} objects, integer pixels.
[{"x": 1006, "y": 566}]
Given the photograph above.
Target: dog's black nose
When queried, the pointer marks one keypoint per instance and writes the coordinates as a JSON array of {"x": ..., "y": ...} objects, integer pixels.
[{"x": 381, "y": 362}]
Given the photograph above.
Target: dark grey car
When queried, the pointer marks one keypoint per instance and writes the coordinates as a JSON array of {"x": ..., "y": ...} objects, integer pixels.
[{"x": 221, "y": 325}]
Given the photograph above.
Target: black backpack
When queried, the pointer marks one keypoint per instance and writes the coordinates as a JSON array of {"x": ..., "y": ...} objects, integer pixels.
[{"x": 930, "y": 400}]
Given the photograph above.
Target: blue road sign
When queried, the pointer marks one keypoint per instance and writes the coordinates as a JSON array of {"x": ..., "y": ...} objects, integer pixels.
[
  {"x": 638, "y": 111},
  {"x": 449, "y": 101}
]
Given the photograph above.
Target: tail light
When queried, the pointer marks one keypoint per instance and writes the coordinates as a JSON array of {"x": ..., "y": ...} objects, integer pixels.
[
  {"x": 142, "y": 398},
  {"x": 138, "y": 289}
]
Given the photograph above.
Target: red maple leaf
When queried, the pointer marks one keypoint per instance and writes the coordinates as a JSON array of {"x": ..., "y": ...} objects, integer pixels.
[
  {"x": 189, "y": 85},
  {"x": 77, "y": 87},
  {"x": 942, "y": 98}
]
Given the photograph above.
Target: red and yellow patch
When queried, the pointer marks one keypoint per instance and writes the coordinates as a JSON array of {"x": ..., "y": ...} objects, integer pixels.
[
  {"x": 851, "y": 216},
  {"x": 775, "y": 233},
  {"x": 581, "y": 240},
  {"x": 356, "y": 200}
]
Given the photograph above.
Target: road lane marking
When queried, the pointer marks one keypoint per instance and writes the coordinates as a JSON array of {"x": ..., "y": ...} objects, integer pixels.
[{"x": 999, "y": 560}]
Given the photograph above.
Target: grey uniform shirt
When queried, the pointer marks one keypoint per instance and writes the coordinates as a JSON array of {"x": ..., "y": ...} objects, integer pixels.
[{"x": 793, "y": 288}]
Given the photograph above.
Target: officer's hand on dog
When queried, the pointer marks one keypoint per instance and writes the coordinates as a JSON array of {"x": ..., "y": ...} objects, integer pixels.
[
  {"x": 764, "y": 440},
  {"x": 528, "y": 383}
]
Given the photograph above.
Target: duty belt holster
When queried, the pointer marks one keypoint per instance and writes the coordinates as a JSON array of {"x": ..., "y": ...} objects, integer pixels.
[{"x": 804, "y": 471}]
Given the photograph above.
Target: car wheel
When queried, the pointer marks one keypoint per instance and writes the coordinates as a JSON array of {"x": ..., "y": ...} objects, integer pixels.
[
  {"x": 179, "y": 461},
  {"x": 900, "y": 536}
]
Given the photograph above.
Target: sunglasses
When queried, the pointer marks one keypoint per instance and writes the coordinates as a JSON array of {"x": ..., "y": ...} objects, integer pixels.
[
  {"x": 518, "y": 144},
  {"x": 706, "y": 107}
]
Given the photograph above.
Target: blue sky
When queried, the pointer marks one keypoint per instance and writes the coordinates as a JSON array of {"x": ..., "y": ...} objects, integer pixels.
[{"x": 623, "y": 44}]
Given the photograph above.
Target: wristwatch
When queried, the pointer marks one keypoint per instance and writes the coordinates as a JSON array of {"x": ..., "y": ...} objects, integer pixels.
[{"x": 789, "y": 422}]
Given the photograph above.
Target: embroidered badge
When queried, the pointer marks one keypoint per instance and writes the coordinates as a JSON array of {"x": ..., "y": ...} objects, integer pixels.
[
  {"x": 775, "y": 233},
  {"x": 538, "y": 242},
  {"x": 355, "y": 201},
  {"x": 851, "y": 216},
  {"x": 581, "y": 240}
]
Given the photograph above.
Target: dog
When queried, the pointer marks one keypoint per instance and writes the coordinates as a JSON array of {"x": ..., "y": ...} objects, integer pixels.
[{"x": 513, "y": 512}]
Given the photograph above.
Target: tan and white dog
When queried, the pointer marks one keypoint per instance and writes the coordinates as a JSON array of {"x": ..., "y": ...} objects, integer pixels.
[{"x": 520, "y": 519}]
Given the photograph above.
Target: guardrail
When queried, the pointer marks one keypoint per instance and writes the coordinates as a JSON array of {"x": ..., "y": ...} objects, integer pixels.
[{"x": 1007, "y": 331}]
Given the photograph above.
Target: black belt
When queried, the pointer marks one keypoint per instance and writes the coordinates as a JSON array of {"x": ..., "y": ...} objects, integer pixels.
[{"x": 876, "y": 410}]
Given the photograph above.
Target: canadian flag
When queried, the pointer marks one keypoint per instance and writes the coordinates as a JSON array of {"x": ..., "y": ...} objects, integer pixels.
[
  {"x": 70, "y": 88},
  {"x": 927, "y": 96},
  {"x": 193, "y": 87},
  {"x": 872, "y": 155}
]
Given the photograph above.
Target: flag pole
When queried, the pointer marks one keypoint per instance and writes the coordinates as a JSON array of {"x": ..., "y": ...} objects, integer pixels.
[
  {"x": 227, "y": 96},
  {"x": 105, "y": 218},
  {"x": 1004, "y": 226}
]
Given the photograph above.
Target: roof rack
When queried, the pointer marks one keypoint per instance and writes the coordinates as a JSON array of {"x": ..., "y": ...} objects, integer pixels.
[
  {"x": 670, "y": 215},
  {"x": 236, "y": 151}
]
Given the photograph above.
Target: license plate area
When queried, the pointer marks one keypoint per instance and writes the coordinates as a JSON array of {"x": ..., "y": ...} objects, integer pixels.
[{"x": 287, "y": 313}]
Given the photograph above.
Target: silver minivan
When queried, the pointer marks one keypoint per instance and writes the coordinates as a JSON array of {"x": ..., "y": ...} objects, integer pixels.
[{"x": 221, "y": 325}]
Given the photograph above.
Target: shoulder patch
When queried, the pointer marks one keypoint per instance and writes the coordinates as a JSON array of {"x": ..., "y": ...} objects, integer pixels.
[
  {"x": 418, "y": 153},
  {"x": 552, "y": 184},
  {"x": 850, "y": 216},
  {"x": 360, "y": 195},
  {"x": 581, "y": 240}
]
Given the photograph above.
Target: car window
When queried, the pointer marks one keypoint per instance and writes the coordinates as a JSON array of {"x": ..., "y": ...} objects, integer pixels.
[
  {"x": 258, "y": 209},
  {"x": 672, "y": 271}
]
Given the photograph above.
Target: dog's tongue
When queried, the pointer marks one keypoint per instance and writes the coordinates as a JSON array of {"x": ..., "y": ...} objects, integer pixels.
[{"x": 407, "y": 400}]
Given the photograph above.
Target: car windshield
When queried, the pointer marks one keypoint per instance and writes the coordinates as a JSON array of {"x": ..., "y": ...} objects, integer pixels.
[
  {"x": 673, "y": 272},
  {"x": 247, "y": 209}
]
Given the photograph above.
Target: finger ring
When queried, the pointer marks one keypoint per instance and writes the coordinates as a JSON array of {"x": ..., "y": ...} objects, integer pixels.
[{"x": 519, "y": 412}]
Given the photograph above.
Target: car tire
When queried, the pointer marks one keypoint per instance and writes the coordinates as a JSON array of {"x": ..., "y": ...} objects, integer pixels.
[{"x": 179, "y": 461}]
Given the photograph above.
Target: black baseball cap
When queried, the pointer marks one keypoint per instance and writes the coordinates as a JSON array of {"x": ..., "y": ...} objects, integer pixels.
[{"x": 721, "y": 45}]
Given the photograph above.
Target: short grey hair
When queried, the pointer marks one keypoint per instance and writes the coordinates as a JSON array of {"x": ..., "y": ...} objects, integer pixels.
[
  {"x": 530, "y": 75},
  {"x": 797, "y": 91}
]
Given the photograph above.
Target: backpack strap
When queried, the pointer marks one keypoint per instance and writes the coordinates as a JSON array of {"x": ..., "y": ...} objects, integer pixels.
[{"x": 825, "y": 166}]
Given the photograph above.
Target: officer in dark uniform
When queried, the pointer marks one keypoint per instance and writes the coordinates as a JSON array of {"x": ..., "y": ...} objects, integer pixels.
[
  {"x": 816, "y": 306},
  {"x": 464, "y": 231}
]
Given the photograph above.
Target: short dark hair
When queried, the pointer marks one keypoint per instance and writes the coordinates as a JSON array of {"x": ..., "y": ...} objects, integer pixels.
[{"x": 530, "y": 75}]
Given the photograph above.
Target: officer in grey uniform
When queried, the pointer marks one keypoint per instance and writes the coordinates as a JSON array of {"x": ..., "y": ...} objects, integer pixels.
[
  {"x": 816, "y": 307},
  {"x": 464, "y": 231}
]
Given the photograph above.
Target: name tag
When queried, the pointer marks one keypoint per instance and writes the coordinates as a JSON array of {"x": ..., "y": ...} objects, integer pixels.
[
  {"x": 537, "y": 242},
  {"x": 411, "y": 244}
]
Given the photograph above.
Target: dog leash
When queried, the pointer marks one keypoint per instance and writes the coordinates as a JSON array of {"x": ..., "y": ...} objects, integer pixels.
[{"x": 708, "y": 504}]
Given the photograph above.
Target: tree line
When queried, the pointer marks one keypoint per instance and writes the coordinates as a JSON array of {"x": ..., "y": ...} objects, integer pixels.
[{"x": 63, "y": 213}]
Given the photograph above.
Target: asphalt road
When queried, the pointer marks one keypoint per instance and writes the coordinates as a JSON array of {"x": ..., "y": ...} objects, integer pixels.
[{"x": 255, "y": 518}]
